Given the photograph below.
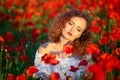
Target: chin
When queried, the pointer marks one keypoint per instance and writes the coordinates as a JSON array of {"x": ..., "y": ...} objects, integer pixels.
[{"x": 69, "y": 38}]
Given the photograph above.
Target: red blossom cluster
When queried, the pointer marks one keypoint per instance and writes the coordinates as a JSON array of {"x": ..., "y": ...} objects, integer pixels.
[
  {"x": 105, "y": 62},
  {"x": 50, "y": 58}
]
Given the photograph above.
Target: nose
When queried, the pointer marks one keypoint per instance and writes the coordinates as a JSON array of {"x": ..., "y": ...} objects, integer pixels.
[{"x": 71, "y": 29}]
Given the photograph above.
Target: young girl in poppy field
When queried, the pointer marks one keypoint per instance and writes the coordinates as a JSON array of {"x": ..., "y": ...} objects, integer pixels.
[{"x": 64, "y": 56}]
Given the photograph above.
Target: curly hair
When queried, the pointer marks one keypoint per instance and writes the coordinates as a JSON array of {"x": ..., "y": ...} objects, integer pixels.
[{"x": 59, "y": 23}]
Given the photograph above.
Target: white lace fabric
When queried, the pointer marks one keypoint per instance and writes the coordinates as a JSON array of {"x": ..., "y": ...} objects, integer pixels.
[{"x": 63, "y": 68}]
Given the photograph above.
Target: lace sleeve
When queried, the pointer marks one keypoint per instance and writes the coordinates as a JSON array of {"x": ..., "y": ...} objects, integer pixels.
[
  {"x": 44, "y": 69},
  {"x": 37, "y": 60}
]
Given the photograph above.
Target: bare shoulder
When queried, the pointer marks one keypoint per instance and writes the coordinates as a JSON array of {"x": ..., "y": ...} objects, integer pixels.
[{"x": 44, "y": 48}]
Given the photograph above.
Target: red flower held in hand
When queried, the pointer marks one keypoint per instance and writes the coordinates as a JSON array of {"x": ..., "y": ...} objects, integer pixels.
[
  {"x": 55, "y": 76},
  {"x": 31, "y": 70},
  {"x": 54, "y": 61},
  {"x": 47, "y": 57},
  {"x": 68, "y": 49},
  {"x": 73, "y": 69},
  {"x": 83, "y": 63},
  {"x": 50, "y": 58}
]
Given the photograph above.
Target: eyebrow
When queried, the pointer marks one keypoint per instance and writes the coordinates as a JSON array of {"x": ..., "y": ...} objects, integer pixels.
[{"x": 74, "y": 24}]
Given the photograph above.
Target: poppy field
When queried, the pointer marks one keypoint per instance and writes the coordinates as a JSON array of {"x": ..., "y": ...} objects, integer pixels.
[{"x": 24, "y": 25}]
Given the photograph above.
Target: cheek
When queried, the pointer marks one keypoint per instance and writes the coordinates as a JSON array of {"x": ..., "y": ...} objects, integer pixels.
[{"x": 77, "y": 35}]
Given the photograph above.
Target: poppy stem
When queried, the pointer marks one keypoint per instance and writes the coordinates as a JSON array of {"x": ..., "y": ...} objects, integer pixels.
[
  {"x": 105, "y": 47},
  {"x": 1, "y": 50}
]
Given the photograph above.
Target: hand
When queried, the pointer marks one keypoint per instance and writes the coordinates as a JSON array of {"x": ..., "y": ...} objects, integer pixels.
[{"x": 63, "y": 55}]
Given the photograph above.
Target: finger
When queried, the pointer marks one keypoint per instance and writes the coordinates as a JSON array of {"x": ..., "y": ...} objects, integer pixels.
[
  {"x": 60, "y": 55},
  {"x": 57, "y": 56}
]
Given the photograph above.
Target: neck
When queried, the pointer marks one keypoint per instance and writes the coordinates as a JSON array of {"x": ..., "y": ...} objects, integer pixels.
[{"x": 62, "y": 42}]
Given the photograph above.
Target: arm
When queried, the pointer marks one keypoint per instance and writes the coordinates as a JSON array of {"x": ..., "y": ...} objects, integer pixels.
[
  {"x": 40, "y": 64},
  {"x": 39, "y": 53}
]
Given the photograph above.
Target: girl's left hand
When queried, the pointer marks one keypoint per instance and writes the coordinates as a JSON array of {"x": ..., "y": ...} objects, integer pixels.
[{"x": 63, "y": 55}]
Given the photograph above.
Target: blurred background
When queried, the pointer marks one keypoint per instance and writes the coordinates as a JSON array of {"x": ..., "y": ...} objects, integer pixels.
[{"x": 24, "y": 26}]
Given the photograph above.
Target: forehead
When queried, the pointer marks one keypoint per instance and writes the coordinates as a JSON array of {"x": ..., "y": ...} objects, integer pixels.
[{"x": 78, "y": 21}]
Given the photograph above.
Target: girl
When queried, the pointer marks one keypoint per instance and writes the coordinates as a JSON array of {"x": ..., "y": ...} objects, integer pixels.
[{"x": 68, "y": 28}]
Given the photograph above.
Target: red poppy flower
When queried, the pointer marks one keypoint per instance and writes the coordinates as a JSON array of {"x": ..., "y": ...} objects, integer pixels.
[
  {"x": 113, "y": 14},
  {"x": 73, "y": 69},
  {"x": 115, "y": 34},
  {"x": 47, "y": 57},
  {"x": 83, "y": 63},
  {"x": 44, "y": 21},
  {"x": 8, "y": 17},
  {"x": 7, "y": 57},
  {"x": 26, "y": 24},
  {"x": 53, "y": 14},
  {"x": 45, "y": 30},
  {"x": 108, "y": 62},
  {"x": 2, "y": 39},
  {"x": 24, "y": 40},
  {"x": 116, "y": 52},
  {"x": 8, "y": 4},
  {"x": 116, "y": 78},
  {"x": 18, "y": 11},
  {"x": 20, "y": 48},
  {"x": 98, "y": 72},
  {"x": 103, "y": 22},
  {"x": 68, "y": 49},
  {"x": 8, "y": 48},
  {"x": 24, "y": 58},
  {"x": 104, "y": 40},
  {"x": 95, "y": 21},
  {"x": 48, "y": 5},
  {"x": 96, "y": 29},
  {"x": 82, "y": 7},
  {"x": 34, "y": 34},
  {"x": 21, "y": 77},
  {"x": 93, "y": 48},
  {"x": 118, "y": 65},
  {"x": 18, "y": 3},
  {"x": 68, "y": 78},
  {"x": 28, "y": 15},
  {"x": 59, "y": 5},
  {"x": 31, "y": 70},
  {"x": 54, "y": 61},
  {"x": 55, "y": 76},
  {"x": 113, "y": 45},
  {"x": 9, "y": 37},
  {"x": 10, "y": 77}
]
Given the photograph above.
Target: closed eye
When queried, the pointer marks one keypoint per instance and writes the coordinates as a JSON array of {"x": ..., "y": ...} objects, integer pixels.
[
  {"x": 78, "y": 30},
  {"x": 70, "y": 23}
]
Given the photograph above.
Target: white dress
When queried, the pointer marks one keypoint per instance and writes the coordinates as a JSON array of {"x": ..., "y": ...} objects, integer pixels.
[{"x": 63, "y": 68}]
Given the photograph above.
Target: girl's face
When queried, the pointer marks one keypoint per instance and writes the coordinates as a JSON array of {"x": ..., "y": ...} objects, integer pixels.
[{"x": 74, "y": 28}]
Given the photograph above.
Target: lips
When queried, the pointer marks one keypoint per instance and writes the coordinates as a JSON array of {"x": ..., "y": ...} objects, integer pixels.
[{"x": 69, "y": 33}]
